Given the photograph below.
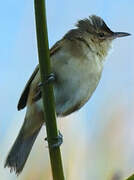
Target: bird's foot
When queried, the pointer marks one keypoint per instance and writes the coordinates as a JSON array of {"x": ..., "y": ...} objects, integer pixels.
[
  {"x": 50, "y": 79},
  {"x": 57, "y": 141}
]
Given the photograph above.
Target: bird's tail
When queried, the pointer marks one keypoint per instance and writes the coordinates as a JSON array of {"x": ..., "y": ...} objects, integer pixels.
[{"x": 20, "y": 150}]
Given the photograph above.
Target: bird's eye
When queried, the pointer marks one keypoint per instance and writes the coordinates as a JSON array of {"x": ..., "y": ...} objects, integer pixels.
[{"x": 101, "y": 35}]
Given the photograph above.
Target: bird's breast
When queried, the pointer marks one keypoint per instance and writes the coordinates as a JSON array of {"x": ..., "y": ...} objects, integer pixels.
[{"x": 77, "y": 78}]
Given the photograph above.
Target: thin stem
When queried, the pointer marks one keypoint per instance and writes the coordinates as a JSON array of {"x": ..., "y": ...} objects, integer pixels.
[{"x": 47, "y": 92}]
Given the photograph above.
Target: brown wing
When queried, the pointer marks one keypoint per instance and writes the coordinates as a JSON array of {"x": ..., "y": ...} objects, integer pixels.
[
  {"x": 24, "y": 96},
  {"x": 56, "y": 47}
]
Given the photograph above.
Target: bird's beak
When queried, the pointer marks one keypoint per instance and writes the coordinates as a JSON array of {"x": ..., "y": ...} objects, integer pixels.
[{"x": 120, "y": 34}]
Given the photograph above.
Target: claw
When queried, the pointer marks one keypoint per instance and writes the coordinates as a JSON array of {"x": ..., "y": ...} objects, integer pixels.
[
  {"x": 50, "y": 79},
  {"x": 57, "y": 141}
]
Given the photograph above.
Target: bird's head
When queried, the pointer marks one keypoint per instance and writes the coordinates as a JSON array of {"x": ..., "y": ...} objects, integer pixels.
[{"x": 98, "y": 33}]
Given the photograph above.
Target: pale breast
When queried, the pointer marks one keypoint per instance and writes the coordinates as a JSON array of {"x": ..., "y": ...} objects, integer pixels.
[{"x": 77, "y": 78}]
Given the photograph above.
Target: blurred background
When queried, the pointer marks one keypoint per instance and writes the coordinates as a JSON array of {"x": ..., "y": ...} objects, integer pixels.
[{"x": 98, "y": 139}]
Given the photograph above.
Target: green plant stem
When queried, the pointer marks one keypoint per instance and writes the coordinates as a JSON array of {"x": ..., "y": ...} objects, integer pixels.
[
  {"x": 131, "y": 177},
  {"x": 47, "y": 92}
]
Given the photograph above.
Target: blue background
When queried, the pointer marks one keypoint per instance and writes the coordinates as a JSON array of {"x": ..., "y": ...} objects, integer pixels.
[{"x": 111, "y": 108}]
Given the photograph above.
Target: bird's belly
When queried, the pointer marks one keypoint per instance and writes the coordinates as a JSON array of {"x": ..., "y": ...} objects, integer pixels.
[
  {"x": 75, "y": 84},
  {"x": 70, "y": 97}
]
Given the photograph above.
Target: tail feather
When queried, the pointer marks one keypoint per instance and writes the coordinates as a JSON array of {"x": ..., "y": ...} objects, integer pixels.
[{"x": 18, "y": 155}]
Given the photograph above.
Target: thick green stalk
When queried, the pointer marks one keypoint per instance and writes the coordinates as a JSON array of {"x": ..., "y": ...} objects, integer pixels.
[
  {"x": 131, "y": 177},
  {"x": 47, "y": 91}
]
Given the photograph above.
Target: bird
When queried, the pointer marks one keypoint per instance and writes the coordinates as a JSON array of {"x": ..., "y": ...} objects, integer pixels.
[{"x": 77, "y": 62}]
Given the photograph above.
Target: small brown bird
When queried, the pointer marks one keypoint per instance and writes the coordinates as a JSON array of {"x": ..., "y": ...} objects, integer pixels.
[{"x": 77, "y": 63}]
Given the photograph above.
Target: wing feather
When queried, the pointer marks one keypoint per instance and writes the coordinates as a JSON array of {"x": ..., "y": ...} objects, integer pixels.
[{"x": 24, "y": 96}]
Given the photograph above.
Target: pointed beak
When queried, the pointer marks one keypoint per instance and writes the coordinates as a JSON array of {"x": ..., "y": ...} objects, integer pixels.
[{"x": 120, "y": 34}]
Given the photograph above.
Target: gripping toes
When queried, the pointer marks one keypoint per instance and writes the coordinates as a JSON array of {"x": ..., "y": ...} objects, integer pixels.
[
  {"x": 50, "y": 79},
  {"x": 57, "y": 141}
]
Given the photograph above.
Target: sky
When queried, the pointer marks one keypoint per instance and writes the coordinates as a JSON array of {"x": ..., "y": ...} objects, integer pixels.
[{"x": 18, "y": 57}]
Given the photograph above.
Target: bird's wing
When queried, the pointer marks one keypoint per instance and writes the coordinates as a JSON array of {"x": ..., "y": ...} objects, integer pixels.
[
  {"x": 24, "y": 96},
  {"x": 56, "y": 47}
]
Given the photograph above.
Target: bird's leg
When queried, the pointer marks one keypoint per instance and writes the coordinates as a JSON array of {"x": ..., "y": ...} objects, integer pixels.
[{"x": 57, "y": 141}]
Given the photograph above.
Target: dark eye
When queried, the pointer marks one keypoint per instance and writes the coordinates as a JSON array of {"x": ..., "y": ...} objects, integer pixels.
[{"x": 101, "y": 35}]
